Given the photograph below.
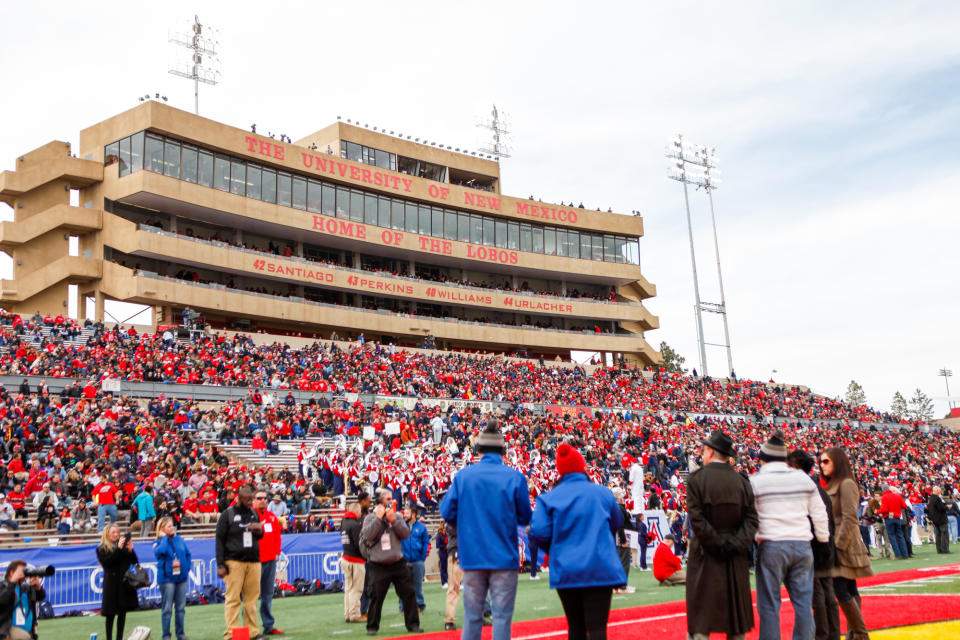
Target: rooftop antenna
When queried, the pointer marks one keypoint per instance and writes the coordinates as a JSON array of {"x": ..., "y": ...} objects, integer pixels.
[
  {"x": 498, "y": 129},
  {"x": 200, "y": 45}
]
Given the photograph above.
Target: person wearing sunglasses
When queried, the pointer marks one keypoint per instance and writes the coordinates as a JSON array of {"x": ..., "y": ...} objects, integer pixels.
[{"x": 852, "y": 560}]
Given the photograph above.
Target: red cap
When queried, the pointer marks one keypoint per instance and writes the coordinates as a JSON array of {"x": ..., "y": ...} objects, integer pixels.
[{"x": 569, "y": 460}]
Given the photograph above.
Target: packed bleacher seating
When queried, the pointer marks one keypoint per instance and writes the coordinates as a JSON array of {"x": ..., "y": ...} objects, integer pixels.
[{"x": 59, "y": 452}]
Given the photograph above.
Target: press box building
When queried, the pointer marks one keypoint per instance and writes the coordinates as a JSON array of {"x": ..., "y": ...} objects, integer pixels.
[{"x": 346, "y": 230}]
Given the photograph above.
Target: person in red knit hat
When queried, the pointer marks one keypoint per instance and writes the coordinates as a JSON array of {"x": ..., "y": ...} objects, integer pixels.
[
  {"x": 576, "y": 523},
  {"x": 666, "y": 565}
]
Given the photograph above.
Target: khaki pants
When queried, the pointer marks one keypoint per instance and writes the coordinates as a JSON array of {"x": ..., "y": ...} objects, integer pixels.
[
  {"x": 680, "y": 577},
  {"x": 353, "y": 576},
  {"x": 454, "y": 576},
  {"x": 243, "y": 581},
  {"x": 16, "y": 633}
]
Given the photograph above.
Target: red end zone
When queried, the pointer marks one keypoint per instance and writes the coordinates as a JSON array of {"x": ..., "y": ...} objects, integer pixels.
[{"x": 880, "y": 611}]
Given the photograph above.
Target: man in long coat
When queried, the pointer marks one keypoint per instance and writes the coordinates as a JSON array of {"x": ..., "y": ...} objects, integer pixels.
[{"x": 724, "y": 522}]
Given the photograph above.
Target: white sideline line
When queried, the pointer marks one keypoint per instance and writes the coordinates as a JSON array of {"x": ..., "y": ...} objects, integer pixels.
[{"x": 612, "y": 624}]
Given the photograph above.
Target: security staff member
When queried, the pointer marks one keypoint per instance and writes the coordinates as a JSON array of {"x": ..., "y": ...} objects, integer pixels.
[{"x": 238, "y": 562}]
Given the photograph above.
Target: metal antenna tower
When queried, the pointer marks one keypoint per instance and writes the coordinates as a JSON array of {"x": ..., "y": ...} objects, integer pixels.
[
  {"x": 946, "y": 374},
  {"x": 200, "y": 46},
  {"x": 693, "y": 164},
  {"x": 498, "y": 128}
]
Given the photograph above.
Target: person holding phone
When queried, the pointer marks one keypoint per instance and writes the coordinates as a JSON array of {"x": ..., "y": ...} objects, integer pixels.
[
  {"x": 238, "y": 562},
  {"x": 18, "y": 603},
  {"x": 173, "y": 568},
  {"x": 116, "y": 555}
]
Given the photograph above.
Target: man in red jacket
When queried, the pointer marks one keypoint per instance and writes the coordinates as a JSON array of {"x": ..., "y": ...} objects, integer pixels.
[
  {"x": 269, "y": 550},
  {"x": 892, "y": 505},
  {"x": 666, "y": 565}
]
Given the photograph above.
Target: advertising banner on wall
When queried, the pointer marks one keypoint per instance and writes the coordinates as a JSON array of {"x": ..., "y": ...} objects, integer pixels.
[{"x": 78, "y": 581}]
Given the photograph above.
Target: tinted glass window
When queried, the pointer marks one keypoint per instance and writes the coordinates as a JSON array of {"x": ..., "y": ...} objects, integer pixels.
[
  {"x": 501, "y": 234},
  {"x": 356, "y": 206},
  {"x": 396, "y": 221},
  {"x": 238, "y": 177},
  {"x": 284, "y": 189},
  {"x": 111, "y": 154},
  {"x": 573, "y": 243},
  {"x": 476, "y": 229},
  {"x": 424, "y": 220},
  {"x": 124, "y": 157},
  {"x": 269, "y": 192},
  {"x": 450, "y": 225},
  {"x": 383, "y": 210},
  {"x": 597, "y": 242},
  {"x": 171, "y": 159},
  {"x": 550, "y": 242},
  {"x": 538, "y": 239},
  {"x": 205, "y": 169},
  {"x": 299, "y": 199},
  {"x": 153, "y": 155},
  {"x": 513, "y": 235},
  {"x": 585, "y": 246},
  {"x": 526, "y": 238},
  {"x": 463, "y": 228},
  {"x": 314, "y": 193},
  {"x": 343, "y": 202},
  {"x": 619, "y": 250},
  {"x": 253, "y": 181},
  {"x": 329, "y": 200},
  {"x": 136, "y": 152},
  {"x": 188, "y": 159},
  {"x": 369, "y": 208},
  {"x": 412, "y": 217},
  {"x": 221, "y": 173},
  {"x": 561, "y": 242},
  {"x": 436, "y": 224},
  {"x": 489, "y": 237}
]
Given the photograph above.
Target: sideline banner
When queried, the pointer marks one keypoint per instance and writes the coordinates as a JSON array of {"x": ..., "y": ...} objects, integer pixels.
[{"x": 78, "y": 582}]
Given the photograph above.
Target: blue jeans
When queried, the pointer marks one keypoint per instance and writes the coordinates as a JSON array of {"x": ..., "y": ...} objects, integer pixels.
[
  {"x": 103, "y": 511},
  {"x": 788, "y": 562},
  {"x": 952, "y": 527},
  {"x": 268, "y": 574},
  {"x": 418, "y": 571},
  {"x": 502, "y": 585},
  {"x": 895, "y": 535},
  {"x": 173, "y": 596}
]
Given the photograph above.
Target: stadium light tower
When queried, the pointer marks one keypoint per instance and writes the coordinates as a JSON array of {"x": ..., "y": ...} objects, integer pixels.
[
  {"x": 200, "y": 45},
  {"x": 697, "y": 165},
  {"x": 946, "y": 373}
]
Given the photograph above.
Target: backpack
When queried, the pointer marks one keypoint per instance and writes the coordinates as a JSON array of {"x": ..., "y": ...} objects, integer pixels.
[{"x": 44, "y": 610}]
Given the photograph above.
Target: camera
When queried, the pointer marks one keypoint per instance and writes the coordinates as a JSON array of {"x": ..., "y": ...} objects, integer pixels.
[{"x": 42, "y": 571}]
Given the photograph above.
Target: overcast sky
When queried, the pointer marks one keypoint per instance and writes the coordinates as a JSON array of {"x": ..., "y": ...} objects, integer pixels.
[{"x": 837, "y": 126}]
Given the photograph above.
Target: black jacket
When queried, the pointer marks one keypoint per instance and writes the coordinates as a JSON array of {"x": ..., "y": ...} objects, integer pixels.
[
  {"x": 117, "y": 596},
  {"x": 937, "y": 510},
  {"x": 230, "y": 536},
  {"x": 350, "y": 536},
  {"x": 8, "y": 604}
]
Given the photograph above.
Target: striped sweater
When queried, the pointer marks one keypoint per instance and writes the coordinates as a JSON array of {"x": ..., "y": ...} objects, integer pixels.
[{"x": 785, "y": 497}]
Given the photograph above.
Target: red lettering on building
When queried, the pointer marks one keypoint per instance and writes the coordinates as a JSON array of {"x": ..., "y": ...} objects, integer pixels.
[
  {"x": 264, "y": 148},
  {"x": 340, "y": 227},
  {"x": 491, "y": 255},
  {"x": 547, "y": 213}
]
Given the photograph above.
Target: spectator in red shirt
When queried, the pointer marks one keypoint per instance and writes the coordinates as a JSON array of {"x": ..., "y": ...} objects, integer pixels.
[
  {"x": 270, "y": 545},
  {"x": 18, "y": 500},
  {"x": 106, "y": 495},
  {"x": 892, "y": 505},
  {"x": 666, "y": 565}
]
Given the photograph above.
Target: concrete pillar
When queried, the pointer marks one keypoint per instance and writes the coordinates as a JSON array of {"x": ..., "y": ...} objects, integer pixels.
[
  {"x": 298, "y": 248},
  {"x": 173, "y": 223},
  {"x": 412, "y": 268},
  {"x": 563, "y": 287},
  {"x": 515, "y": 282},
  {"x": 238, "y": 236},
  {"x": 356, "y": 260},
  {"x": 98, "y": 308}
]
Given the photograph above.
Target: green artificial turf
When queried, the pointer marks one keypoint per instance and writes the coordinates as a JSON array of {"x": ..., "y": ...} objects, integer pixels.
[{"x": 321, "y": 616}]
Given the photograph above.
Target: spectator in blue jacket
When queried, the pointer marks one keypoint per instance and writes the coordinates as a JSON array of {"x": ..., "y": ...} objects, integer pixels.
[
  {"x": 173, "y": 569},
  {"x": 143, "y": 504},
  {"x": 576, "y": 522},
  {"x": 486, "y": 502},
  {"x": 415, "y": 550}
]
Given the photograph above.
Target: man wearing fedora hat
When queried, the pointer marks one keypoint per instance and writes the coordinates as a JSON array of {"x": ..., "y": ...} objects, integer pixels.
[{"x": 723, "y": 520}]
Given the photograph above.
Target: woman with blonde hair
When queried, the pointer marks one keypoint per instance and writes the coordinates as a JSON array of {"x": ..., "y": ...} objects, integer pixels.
[
  {"x": 852, "y": 560},
  {"x": 173, "y": 569},
  {"x": 116, "y": 556}
]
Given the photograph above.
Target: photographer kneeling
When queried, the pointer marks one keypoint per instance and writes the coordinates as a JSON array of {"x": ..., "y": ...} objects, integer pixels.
[{"x": 18, "y": 603}]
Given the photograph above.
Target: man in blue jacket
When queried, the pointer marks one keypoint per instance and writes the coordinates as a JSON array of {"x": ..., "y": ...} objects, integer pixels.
[
  {"x": 487, "y": 502},
  {"x": 415, "y": 549}
]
